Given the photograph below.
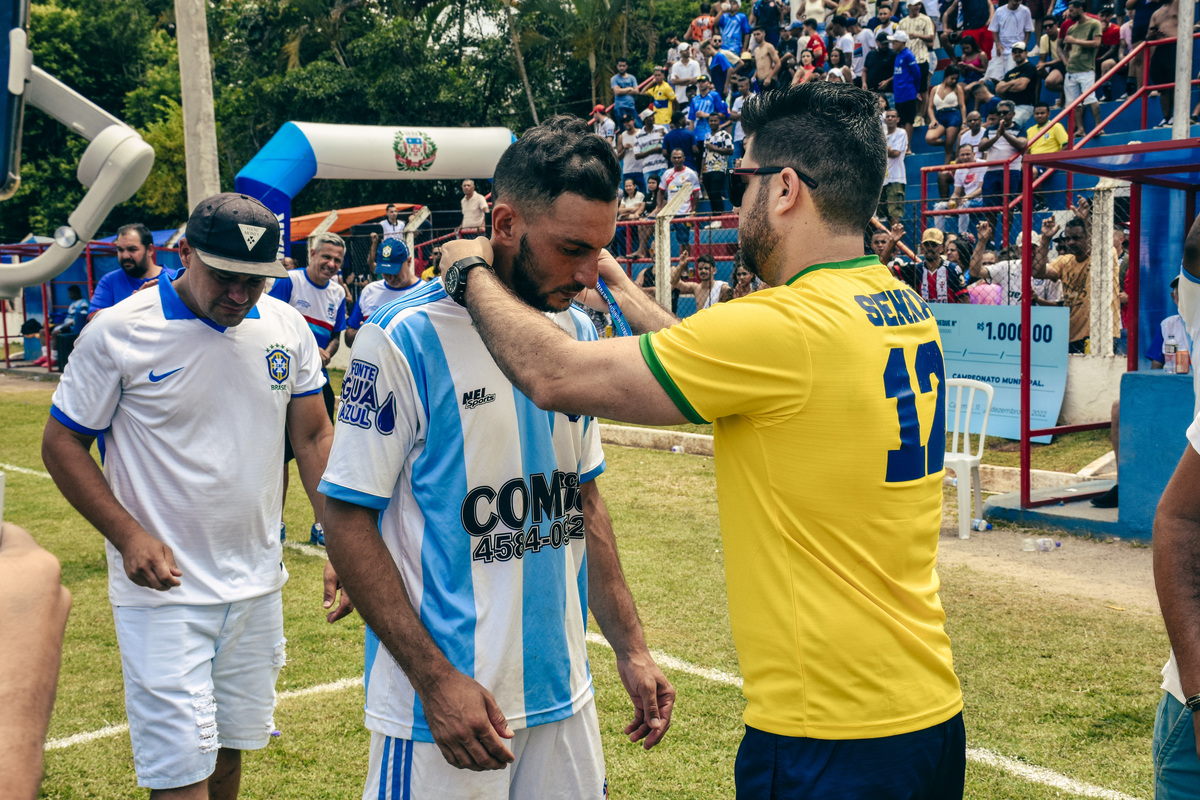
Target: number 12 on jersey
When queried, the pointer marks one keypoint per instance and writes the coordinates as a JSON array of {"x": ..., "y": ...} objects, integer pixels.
[{"x": 914, "y": 460}]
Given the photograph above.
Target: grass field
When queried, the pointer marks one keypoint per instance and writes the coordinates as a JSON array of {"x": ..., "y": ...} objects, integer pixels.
[{"x": 1050, "y": 681}]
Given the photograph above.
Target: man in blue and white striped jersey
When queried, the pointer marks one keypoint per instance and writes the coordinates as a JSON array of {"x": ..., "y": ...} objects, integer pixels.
[{"x": 466, "y": 525}]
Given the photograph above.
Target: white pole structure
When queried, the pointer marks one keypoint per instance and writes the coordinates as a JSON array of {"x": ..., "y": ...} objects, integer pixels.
[
  {"x": 199, "y": 120},
  {"x": 1181, "y": 125},
  {"x": 415, "y": 221},
  {"x": 662, "y": 250}
]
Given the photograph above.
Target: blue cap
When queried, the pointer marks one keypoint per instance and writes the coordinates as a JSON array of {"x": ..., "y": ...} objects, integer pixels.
[{"x": 390, "y": 256}]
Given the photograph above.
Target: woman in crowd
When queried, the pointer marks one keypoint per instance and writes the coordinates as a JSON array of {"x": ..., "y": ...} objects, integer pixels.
[
  {"x": 806, "y": 71},
  {"x": 972, "y": 65},
  {"x": 837, "y": 69},
  {"x": 649, "y": 207},
  {"x": 946, "y": 107},
  {"x": 631, "y": 207},
  {"x": 744, "y": 281}
]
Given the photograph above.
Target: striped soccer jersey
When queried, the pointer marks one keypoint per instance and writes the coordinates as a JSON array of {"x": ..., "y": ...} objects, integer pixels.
[
  {"x": 323, "y": 307},
  {"x": 375, "y": 295},
  {"x": 481, "y": 510}
]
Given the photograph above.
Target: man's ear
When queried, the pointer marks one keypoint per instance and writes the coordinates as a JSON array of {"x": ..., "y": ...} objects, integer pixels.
[{"x": 504, "y": 220}]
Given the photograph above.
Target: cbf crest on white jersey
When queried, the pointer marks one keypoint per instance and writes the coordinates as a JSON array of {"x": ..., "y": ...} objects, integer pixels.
[{"x": 481, "y": 510}]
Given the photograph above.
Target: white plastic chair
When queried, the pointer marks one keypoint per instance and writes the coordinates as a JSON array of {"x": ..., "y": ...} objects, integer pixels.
[{"x": 960, "y": 458}]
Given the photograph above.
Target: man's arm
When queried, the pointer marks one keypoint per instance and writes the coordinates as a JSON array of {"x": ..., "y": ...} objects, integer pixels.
[
  {"x": 329, "y": 351},
  {"x": 984, "y": 235},
  {"x": 311, "y": 434},
  {"x": 1191, "y": 249},
  {"x": 148, "y": 562},
  {"x": 464, "y": 718},
  {"x": 1015, "y": 139},
  {"x": 612, "y": 604},
  {"x": 33, "y": 616},
  {"x": 1177, "y": 569},
  {"x": 607, "y": 379},
  {"x": 1039, "y": 268}
]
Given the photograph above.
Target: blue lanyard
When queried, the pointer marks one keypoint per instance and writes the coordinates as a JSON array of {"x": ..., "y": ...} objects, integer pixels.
[{"x": 620, "y": 325}]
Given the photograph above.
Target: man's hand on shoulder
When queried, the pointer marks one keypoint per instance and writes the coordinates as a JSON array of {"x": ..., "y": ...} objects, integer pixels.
[
  {"x": 466, "y": 723},
  {"x": 458, "y": 249}
]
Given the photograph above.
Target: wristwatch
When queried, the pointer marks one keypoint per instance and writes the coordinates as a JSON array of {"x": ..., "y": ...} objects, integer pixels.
[{"x": 456, "y": 276}]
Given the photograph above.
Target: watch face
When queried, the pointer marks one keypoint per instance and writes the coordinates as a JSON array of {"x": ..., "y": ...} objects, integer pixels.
[{"x": 452, "y": 281}]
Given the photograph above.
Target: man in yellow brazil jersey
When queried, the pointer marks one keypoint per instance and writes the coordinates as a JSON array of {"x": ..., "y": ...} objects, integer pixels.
[{"x": 827, "y": 395}]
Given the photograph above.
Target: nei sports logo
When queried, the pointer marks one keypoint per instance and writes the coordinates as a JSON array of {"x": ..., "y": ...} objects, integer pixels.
[
  {"x": 476, "y": 398},
  {"x": 360, "y": 399}
]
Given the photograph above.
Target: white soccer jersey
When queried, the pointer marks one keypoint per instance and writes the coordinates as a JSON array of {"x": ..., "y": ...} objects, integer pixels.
[
  {"x": 481, "y": 510},
  {"x": 323, "y": 307},
  {"x": 375, "y": 295},
  {"x": 192, "y": 418}
]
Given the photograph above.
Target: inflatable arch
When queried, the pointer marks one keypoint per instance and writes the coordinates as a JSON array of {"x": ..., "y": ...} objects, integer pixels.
[{"x": 301, "y": 151}]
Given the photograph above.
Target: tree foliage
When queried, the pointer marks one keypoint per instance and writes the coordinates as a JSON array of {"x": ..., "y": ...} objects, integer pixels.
[{"x": 369, "y": 62}]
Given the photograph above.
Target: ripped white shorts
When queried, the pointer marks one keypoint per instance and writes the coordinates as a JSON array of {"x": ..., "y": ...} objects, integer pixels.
[{"x": 198, "y": 678}]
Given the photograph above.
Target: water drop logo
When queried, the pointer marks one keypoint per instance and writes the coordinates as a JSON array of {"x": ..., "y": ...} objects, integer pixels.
[{"x": 385, "y": 418}]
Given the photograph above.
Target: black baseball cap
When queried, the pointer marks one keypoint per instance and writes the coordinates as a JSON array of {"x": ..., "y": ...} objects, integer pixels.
[{"x": 236, "y": 233}]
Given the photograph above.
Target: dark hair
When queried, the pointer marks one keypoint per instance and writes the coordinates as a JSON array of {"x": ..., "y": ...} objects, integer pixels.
[
  {"x": 830, "y": 132},
  {"x": 758, "y": 28},
  {"x": 1041, "y": 104},
  {"x": 141, "y": 230},
  {"x": 705, "y": 8},
  {"x": 389, "y": 205},
  {"x": 74, "y": 292},
  {"x": 950, "y": 70},
  {"x": 971, "y": 40},
  {"x": 678, "y": 117},
  {"x": 707, "y": 259},
  {"x": 1050, "y": 19},
  {"x": 561, "y": 155},
  {"x": 810, "y": 23},
  {"x": 622, "y": 61},
  {"x": 965, "y": 251},
  {"x": 840, "y": 19},
  {"x": 1075, "y": 222}
]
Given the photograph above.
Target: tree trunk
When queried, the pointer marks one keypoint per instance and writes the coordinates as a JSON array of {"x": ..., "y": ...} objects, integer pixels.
[
  {"x": 625, "y": 33},
  {"x": 592, "y": 70},
  {"x": 515, "y": 35}
]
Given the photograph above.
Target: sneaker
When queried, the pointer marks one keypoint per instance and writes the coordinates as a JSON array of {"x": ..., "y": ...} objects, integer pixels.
[
  {"x": 317, "y": 537},
  {"x": 283, "y": 531},
  {"x": 1166, "y": 123},
  {"x": 1106, "y": 500},
  {"x": 1035, "y": 52},
  {"x": 716, "y": 223},
  {"x": 1121, "y": 96}
]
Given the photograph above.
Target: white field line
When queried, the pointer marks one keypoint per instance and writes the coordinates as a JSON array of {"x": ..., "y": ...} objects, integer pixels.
[
  {"x": 1029, "y": 772},
  {"x": 1019, "y": 769},
  {"x": 306, "y": 549},
  {"x": 13, "y": 468},
  {"x": 115, "y": 730}
]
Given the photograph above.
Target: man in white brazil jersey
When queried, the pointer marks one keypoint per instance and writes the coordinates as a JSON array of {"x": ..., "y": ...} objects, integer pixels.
[
  {"x": 320, "y": 298},
  {"x": 493, "y": 541},
  {"x": 389, "y": 259},
  {"x": 189, "y": 385}
]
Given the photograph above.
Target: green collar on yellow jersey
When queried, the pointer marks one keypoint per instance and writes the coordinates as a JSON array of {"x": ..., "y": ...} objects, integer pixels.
[{"x": 854, "y": 263}]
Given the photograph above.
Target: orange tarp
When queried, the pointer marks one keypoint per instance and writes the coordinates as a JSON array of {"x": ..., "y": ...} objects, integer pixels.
[{"x": 305, "y": 225}]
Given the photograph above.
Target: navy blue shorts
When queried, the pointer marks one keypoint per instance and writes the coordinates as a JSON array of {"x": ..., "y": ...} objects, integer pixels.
[
  {"x": 948, "y": 117},
  {"x": 929, "y": 764}
]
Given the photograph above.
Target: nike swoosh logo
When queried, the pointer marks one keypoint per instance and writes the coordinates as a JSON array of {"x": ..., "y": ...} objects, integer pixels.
[{"x": 156, "y": 378}]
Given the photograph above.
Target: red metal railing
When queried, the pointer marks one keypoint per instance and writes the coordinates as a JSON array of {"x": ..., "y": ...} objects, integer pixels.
[{"x": 1008, "y": 202}]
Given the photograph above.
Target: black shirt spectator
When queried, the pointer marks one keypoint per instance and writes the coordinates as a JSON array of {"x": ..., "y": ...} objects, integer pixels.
[
  {"x": 879, "y": 66},
  {"x": 1028, "y": 95}
]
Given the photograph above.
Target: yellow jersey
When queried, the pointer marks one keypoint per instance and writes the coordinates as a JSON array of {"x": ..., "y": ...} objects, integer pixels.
[
  {"x": 827, "y": 397},
  {"x": 663, "y": 102}
]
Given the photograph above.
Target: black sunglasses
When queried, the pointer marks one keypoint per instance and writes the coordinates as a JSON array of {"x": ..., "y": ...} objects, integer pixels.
[{"x": 739, "y": 179}]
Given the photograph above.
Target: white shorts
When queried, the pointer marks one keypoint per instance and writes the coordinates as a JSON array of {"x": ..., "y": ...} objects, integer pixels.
[
  {"x": 198, "y": 678},
  {"x": 1076, "y": 83},
  {"x": 558, "y": 759}
]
